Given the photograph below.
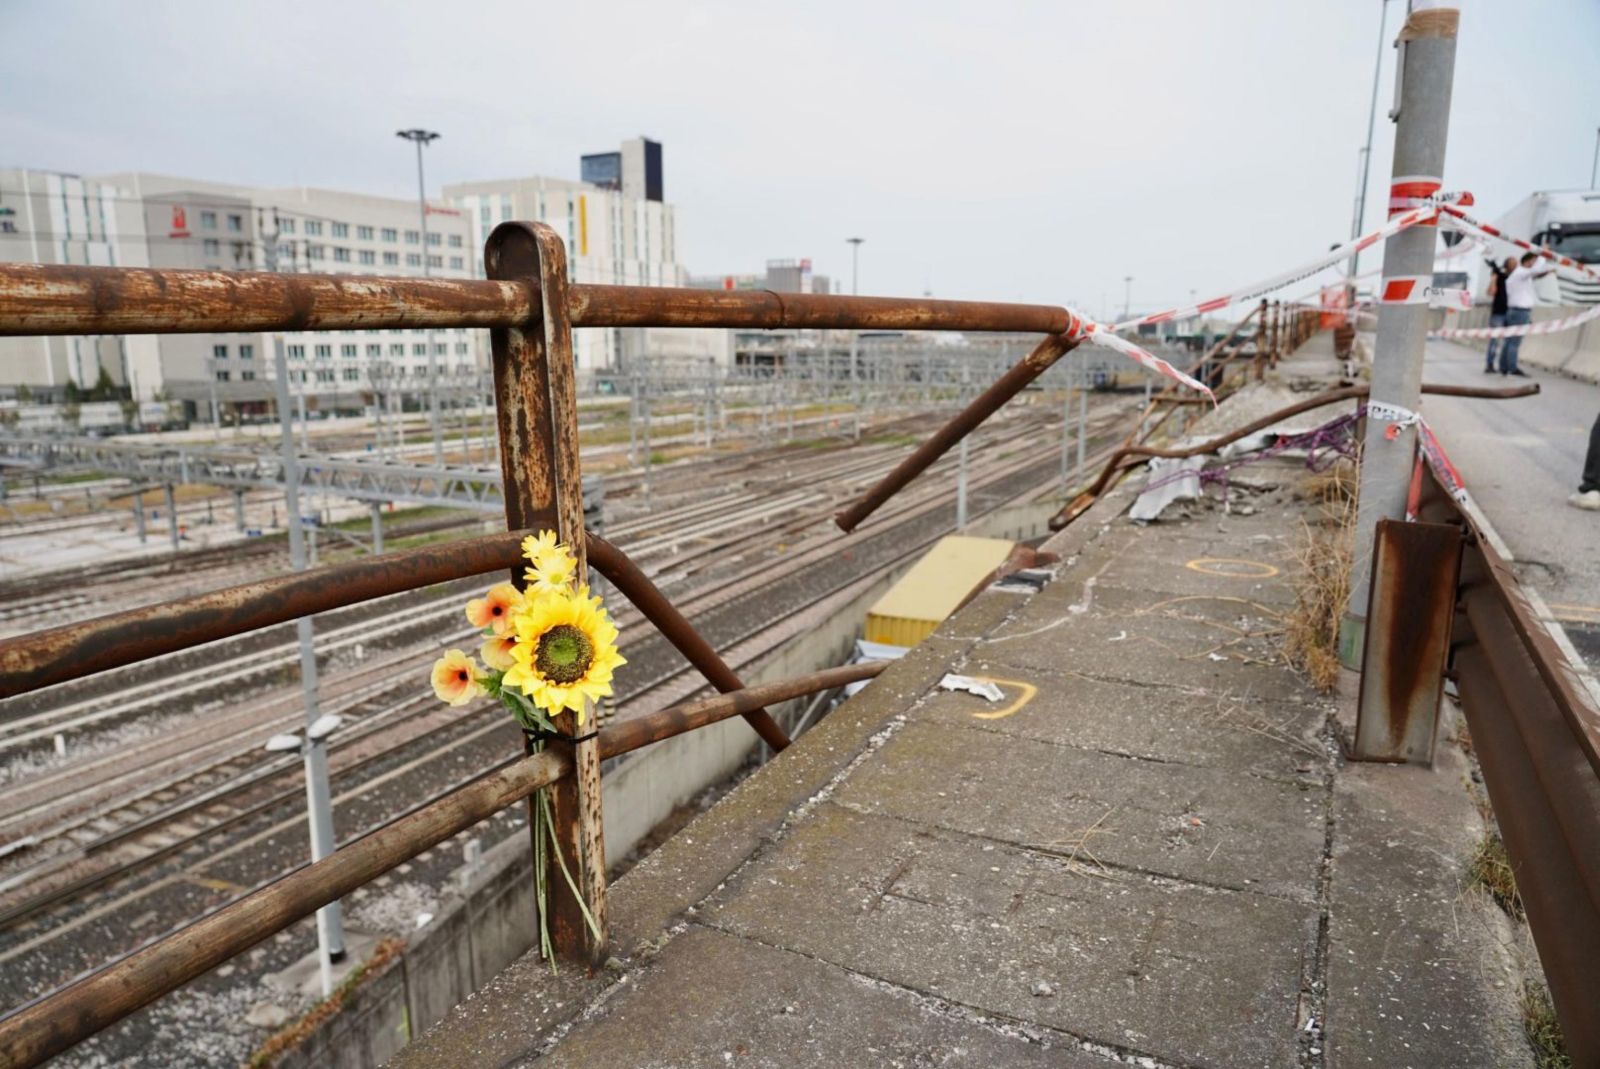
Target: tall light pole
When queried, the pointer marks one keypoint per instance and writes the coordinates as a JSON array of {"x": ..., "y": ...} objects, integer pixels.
[
  {"x": 855, "y": 279},
  {"x": 1594, "y": 168},
  {"x": 1127, "y": 296},
  {"x": 421, "y": 138},
  {"x": 1366, "y": 152},
  {"x": 319, "y": 803},
  {"x": 1422, "y": 119}
]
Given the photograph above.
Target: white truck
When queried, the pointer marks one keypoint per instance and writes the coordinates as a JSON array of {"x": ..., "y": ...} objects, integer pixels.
[{"x": 1566, "y": 221}]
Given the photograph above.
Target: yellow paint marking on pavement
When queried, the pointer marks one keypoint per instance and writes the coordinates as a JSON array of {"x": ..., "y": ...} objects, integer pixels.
[
  {"x": 1229, "y": 568},
  {"x": 1028, "y": 691},
  {"x": 1583, "y": 614}
]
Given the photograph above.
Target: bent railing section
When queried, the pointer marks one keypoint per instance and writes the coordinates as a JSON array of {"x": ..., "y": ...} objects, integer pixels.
[{"x": 531, "y": 308}]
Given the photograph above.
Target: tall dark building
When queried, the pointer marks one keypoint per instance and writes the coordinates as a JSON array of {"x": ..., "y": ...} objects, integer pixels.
[{"x": 635, "y": 170}]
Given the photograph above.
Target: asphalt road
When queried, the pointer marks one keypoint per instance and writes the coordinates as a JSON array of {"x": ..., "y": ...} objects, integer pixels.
[{"x": 1520, "y": 459}]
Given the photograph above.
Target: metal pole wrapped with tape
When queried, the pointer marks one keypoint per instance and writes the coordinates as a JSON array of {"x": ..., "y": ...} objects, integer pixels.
[{"x": 1422, "y": 118}]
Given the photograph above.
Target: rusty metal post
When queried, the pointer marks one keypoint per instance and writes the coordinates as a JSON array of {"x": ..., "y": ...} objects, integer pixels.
[
  {"x": 537, "y": 405},
  {"x": 1414, "y": 572},
  {"x": 1261, "y": 338}
]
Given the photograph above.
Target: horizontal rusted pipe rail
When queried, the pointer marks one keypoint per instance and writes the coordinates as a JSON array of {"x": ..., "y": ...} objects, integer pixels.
[
  {"x": 639, "y": 731},
  {"x": 66, "y": 1017},
  {"x": 963, "y": 423},
  {"x": 60, "y": 654},
  {"x": 645, "y": 596},
  {"x": 1114, "y": 465},
  {"x": 45, "y": 1028},
  {"x": 60, "y": 299}
]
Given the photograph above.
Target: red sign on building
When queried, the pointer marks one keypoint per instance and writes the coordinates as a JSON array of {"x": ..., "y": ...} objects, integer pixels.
[{"x": 180, "y": 222}]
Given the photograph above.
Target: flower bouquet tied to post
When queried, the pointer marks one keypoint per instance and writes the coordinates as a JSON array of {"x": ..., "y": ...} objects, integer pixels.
[{"x": 547, "y": 649}]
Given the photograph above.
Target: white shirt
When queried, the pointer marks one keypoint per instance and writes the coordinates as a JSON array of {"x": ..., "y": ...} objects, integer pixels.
[{"x": 1519, "y": 286}]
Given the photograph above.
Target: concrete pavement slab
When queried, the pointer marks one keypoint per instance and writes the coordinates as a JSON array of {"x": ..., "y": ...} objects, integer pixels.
[
  {"x": 1420, "y": 967},
  {"x": 1208, "y": 825},
  {"x": 1158, "y": 724},
  {"x": 757, "y": 1007},
  {"x": 1190, "y": 975}
]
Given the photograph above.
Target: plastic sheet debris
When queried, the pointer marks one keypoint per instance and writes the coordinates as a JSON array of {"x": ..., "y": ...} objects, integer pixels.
[{"x": 981, "y": 687}]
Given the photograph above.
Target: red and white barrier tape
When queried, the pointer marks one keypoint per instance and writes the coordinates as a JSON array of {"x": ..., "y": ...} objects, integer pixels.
[
  {"x": 1548, "y": 326},
  {"x": 1424, "y": 214},
  {"x": 1460, "y": 220},
  {"x": 1099, "y": 334}
]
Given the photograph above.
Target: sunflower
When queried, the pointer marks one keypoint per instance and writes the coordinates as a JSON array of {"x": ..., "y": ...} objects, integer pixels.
[
  {"x": 565, "y": 653},
  {"x": 455, "y": 678},
  {"x": 496, "y": 651},
  {"x": 495, "y": 609}
]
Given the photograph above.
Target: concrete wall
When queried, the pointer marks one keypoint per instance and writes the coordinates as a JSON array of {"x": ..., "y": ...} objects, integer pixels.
[
  {"x": 490, "y": 923},
  {"x": 1575, "y": 352}
]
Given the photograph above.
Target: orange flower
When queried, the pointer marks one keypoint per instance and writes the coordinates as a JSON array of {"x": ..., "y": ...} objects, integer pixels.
[
  {"x": 496, "y": 651},
  {"x": 494, "y": 609},
  {"x": 455, "y": 678}
]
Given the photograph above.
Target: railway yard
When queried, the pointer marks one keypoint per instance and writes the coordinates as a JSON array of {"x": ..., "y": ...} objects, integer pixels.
[{"x": 140, "y": 798}]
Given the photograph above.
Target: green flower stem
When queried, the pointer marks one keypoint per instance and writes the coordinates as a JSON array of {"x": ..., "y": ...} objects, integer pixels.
[{"x": 544, "y": 801}]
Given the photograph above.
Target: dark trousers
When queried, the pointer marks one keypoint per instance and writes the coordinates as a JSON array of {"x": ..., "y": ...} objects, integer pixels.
[
  {"x": 1591, "y": 463},
  {"x": 1515, "y": 317},
  {"x": 1496, "y": 319}
]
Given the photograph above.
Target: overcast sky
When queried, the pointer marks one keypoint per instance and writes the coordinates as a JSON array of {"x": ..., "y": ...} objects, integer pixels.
[{"x": 1006, "y": 151}]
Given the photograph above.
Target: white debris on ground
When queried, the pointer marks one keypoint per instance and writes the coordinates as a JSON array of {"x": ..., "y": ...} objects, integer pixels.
[
  {"x": 395, "y": 909},
  {"x": 195, "y": 1029}
]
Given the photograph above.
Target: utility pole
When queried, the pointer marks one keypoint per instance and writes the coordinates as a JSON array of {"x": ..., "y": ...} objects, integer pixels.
[
  {"x": 1366, "y": 153},
  {"x": 422, "y": 138},
  {"x": 1594, "y": 168},
  {"x": 1422, "y": 121},
  {"x": 855, "y": 335},
  {"x": 1127, "y": 295},
  {"x": 319, "y": 804}
]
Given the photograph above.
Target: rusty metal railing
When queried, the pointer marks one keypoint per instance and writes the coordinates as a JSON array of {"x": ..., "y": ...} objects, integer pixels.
[{"x": 531, "y": 309}]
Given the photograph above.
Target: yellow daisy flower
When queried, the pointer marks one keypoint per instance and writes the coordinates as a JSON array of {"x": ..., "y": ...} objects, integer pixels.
[
  {"x": 455, "y": 678},
  {"x": 566, "y": 652},
  {"x": 495, "y": 609},
  {"x": 496, "y": 651},
  {"x": 552, "y": 573},
  {"x": 533, "y": 546}
]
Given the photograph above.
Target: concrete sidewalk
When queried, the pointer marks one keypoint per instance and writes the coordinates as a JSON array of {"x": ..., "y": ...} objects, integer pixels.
[{"x": 1150, "y": 853}]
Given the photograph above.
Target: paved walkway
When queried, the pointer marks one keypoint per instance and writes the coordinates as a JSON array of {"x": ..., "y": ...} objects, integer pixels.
[{"x": 1149, "y": 853}]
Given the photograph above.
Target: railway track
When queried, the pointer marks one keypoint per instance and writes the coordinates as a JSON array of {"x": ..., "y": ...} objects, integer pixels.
[{"x": 133, "y": 843}]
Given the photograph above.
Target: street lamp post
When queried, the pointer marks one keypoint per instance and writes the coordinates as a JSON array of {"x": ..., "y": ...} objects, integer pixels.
[
  {"x": 1366, "y": 152},
  {"x": 855, "y": 336},
  {"x": 319, "y": 805},
  {"x": 421, "y": 138},
  {"x": 1127, "y": 295}
]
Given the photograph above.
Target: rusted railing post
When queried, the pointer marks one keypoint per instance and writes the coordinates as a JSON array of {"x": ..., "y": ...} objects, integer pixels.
[
  {"x": 1261, "y": 340},
  {"x": 536, "y": 405}
]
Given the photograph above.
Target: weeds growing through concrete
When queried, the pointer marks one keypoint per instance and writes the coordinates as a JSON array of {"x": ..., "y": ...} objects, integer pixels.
[
  {"x": 1311, "y": 630},
  {"x": 1542, "y": 1028},
  {"x": 1490, "y": 868}
]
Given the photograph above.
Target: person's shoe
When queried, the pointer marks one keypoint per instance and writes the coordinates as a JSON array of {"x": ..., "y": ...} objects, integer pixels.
[
  {"x": 1489, "y": 370},
  {"x": 1586, "y": 499},
  {"x": 1518, "y": 372}
]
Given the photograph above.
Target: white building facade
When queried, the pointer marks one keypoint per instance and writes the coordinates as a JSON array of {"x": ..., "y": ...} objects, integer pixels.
[{"x": 617, "y": 232}]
